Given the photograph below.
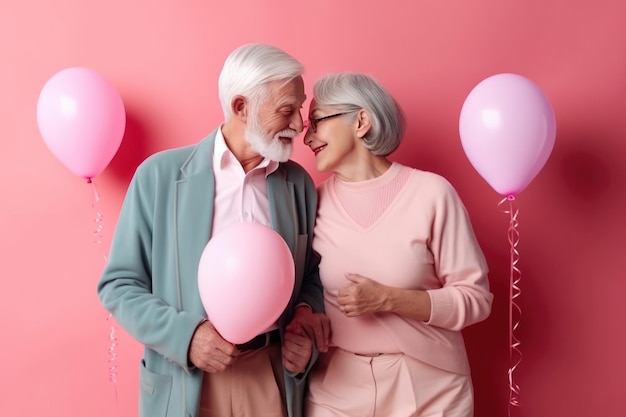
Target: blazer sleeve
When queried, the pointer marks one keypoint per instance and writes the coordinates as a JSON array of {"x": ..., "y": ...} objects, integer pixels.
[{"x": 127, "y": 285}]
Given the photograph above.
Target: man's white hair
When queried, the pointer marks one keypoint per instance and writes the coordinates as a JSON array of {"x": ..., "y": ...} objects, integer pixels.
[{"x": 248, "y": 70}]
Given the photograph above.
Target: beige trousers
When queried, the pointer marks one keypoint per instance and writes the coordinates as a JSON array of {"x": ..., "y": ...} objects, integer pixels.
[
  {"x": 254, "y": 386},
  {"x": 344, "y": 384}
]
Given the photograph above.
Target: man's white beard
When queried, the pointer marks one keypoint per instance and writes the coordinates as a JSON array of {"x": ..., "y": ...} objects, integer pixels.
[{"x": 273, "y": 149}]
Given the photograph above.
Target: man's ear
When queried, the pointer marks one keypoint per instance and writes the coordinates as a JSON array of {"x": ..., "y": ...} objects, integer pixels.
[
  {"x": 363, "y": 123},
  {"x": 239, "y": 107}
]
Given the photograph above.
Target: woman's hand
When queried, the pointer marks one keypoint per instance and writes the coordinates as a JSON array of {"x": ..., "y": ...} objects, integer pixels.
[{"x": 362, "y": 295}]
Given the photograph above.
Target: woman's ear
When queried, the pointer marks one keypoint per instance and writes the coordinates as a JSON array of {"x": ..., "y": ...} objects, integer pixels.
[
  {"x": 239, "y": 107},
  {"x": 363, "y": 123}
]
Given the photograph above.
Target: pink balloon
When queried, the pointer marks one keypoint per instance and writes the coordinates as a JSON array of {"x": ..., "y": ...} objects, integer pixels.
[
  {"x": 507, "y": 128},
  {"x": 81, "y": 118},
  {"x": 246, "y": 277}
]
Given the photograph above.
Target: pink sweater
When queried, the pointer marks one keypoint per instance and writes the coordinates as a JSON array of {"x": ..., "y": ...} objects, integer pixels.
[{"x": 407, "y": 229}]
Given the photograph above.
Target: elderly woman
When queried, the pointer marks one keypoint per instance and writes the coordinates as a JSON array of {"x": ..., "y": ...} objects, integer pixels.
[{"x": 402, "y": 270}]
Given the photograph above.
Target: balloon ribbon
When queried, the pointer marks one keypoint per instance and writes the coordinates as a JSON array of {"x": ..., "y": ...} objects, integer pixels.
[{"x": 515, "y": 312}]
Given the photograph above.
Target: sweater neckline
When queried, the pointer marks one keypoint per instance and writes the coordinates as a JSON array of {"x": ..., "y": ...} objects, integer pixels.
[{"x": 371, "y": 183}]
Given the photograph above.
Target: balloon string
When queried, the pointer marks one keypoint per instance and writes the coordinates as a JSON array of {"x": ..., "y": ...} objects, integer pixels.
[
  {"x": 515, "y": 312},
  {"x": 113, "y": 356},
  {"x": 97, "y": 238},
  {"x": 99, "y": 217}
]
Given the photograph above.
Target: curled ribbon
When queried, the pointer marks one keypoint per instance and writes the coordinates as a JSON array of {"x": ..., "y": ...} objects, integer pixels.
[{"x": 515, "y": 312}]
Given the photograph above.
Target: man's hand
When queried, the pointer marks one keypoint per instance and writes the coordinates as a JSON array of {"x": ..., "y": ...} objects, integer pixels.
[
  {"x": 314, "y": 325},
  {"x": 209, "y": 351},
  {"x": 297, "y": 349}
]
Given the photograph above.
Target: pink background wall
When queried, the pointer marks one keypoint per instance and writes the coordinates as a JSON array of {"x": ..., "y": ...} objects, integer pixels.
[{"x": 164, "y": 58}]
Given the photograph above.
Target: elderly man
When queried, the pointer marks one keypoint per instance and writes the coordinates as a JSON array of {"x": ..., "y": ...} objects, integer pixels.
[{"x": 176, "y": 201}]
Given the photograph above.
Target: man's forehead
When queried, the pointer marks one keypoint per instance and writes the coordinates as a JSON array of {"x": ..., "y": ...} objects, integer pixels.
[
  {"x": 294, "y": 99},
  {"x": 288, "y": 92}
]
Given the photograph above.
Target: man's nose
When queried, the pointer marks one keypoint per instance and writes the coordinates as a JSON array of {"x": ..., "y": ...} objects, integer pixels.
[{"x": 297, "y": 123}]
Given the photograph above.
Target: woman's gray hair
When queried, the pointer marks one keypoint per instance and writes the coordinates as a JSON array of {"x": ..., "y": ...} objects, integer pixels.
[
  {"x": 351, "y": 92},
  {"x": 248, "y": 70}
]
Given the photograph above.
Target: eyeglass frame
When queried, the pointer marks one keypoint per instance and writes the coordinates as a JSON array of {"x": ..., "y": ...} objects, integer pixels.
[{"x": 312, "y": 123}]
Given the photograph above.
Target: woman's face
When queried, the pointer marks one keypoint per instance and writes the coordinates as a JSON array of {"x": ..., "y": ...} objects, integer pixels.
[{"x": 331, "y": 137}]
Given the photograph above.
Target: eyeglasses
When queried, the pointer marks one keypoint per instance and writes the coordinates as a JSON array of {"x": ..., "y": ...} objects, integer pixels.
[{"x": 313, "y": 122}]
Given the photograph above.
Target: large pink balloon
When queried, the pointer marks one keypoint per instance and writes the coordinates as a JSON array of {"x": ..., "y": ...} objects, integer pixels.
[
  {"x": 507, "y": 128},
  {"x": 81, "y": 118},
  {"x": 246, "y": 277}
]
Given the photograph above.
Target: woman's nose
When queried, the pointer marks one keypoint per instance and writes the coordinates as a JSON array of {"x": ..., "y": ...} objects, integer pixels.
[{"x": 307, "y": 136}]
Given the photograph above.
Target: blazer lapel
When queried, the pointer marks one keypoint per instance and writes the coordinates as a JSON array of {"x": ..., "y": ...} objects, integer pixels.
[
  {"x": 284, "y": 220},
  {"x": 283, "y": 214},
  {"x": 195, "y": 195}
]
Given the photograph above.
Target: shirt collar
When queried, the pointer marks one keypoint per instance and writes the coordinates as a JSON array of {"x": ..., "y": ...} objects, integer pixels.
[{"x": 222, "y": 156}]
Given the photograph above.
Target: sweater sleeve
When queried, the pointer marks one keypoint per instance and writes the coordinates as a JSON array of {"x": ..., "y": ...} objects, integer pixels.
[{"x": 460, "y": 265}]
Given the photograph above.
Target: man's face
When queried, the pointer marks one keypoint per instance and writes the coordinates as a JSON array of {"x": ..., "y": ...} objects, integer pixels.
[{"x": 274, "y": 122}]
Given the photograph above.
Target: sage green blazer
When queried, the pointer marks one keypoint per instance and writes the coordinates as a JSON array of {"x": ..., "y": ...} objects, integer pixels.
[{"x": 150, "y": 282}]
